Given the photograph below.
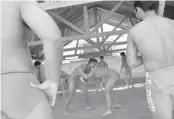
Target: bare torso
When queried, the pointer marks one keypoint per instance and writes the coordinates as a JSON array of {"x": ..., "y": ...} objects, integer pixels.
[
  {"x": 106, "y": 72},
  {"x": 15, "y": 52},
  {"x": 101, "y": 64},
  {"x": 124, "y": 63},
  {"x": 154, "y": 38},
  {"x": 76, "y": 72}
]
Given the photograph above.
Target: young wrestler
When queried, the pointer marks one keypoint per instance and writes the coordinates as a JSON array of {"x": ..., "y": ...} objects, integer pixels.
[
  {"x": 111, "y": 78},
  {"x": 64, "y": 82},
  {"x": 19, "y": 99},
  {"x": 74, "y": 79},
  {"x": 102, "y": 63},
  {"x": 153, "y": 39},
  {"x": 125, "y": 72}
]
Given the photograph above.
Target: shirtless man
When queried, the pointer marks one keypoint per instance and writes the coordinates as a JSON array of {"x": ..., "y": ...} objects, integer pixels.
[
  {"x": 125, "y": 72},
  {"x": 153, "y": 39},
  {"x": 64, "y": 82},
  {"x": 37, "y": 65},
  {"x": 111, "y": 78},
  {"x": 19, "y": 99},
  {"x": 102, "y": 63},
  {"x": 74, "y": 78}
]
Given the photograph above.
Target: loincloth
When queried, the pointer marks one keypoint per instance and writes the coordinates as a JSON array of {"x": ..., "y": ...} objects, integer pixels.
[
  {"x": 159, "y": 82},
  {"x": 18, "y": 96}
]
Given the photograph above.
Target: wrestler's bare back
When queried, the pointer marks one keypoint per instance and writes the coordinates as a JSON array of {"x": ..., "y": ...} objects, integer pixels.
[
  {"x": 15, "y": 52},
  {"x": 106, "y": 72},
  {"x": 154, "y": 39}
]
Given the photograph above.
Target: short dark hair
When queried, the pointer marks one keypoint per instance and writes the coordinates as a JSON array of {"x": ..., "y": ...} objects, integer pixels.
[
  {"x": 101, "y": 57},
  {"x": 147, "y": 5},
  {"x": 122, "y": 54},
  {"x": 36, "y": 63},
  {"x": 92, "y": 60}
]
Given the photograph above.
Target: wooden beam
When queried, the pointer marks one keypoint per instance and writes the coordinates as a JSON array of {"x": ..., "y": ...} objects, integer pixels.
[
  {"x": 114, "y": 24},
  {"x": 86, "y": 19},
  {"x": 113, "y": 42},
  {"x": 87, "y": 54},
  {"x": 66, "y": 22},
  {"x": 66, "y": 43},
  {"x": 88, "y": 35},
  {"x": 72, "y": 18},
  {"x": 87, "y": 26},
  {"x": 115, "y": 28},
  {"x": 54, "y": 4},
  {"x": 96, "y": 20},
  {"x": 116, "y": 7},
  {"x": 101, "y": 17},
  {"x": 76, "y": 46},
  {"x": 94, "y": 46},
  {"x": 121, "y": 12},
  {"x": 131, "y": 21}
]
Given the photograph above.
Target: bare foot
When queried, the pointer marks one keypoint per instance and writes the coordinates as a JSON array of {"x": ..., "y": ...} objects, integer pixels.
[
  {"x": 90, "y": 108},
  {"x": 109, "y": 112},
  {"x": 65, "y": 113},
  {"x": 116, "y": 106}
]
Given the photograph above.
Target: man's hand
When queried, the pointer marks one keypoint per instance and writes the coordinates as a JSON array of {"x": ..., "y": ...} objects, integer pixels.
[{"x": 50, "y": 88}]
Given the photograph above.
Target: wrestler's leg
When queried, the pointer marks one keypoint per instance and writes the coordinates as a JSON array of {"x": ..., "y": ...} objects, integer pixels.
[
  {"x": 109, "y": 86},
  {"x": 164, "y": 104},
  {"x": 98, "y": 85},
  {"x": 72, "y": 90},
  {"x": 41, "y": 111},
  {"x": 126, "y": 78},
  {"x": 96, "y": 90},
  {"x": 85, "y": 90},
  {"x": 63, "y": 88},
  {"x": 130, "y": 78}
]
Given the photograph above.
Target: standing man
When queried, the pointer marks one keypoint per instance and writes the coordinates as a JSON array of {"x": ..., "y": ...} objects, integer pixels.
[
  {"x": 19, "y": 99},
  {"x": 125, "y": 72},
  {"x": 153, "y": 38},
  {"x": 102, "y": 63},
  {"x": 37, "y": 65}
]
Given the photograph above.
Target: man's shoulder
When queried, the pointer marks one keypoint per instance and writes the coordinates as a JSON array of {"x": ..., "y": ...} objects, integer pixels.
[{"x": 137, "y": 27}]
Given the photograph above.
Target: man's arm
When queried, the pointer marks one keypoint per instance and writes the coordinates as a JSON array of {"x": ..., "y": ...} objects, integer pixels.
[
  {"x": 133, "y": 60},
  {"x": 106, "y": 65},
  {"x": 46, "y": 29}
]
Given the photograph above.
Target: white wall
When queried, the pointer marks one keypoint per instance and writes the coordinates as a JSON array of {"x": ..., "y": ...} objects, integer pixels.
[{"x": 113, "y": 62}]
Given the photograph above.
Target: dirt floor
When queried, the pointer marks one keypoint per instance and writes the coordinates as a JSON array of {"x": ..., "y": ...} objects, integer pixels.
[{"x": 133, "y": 101}]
